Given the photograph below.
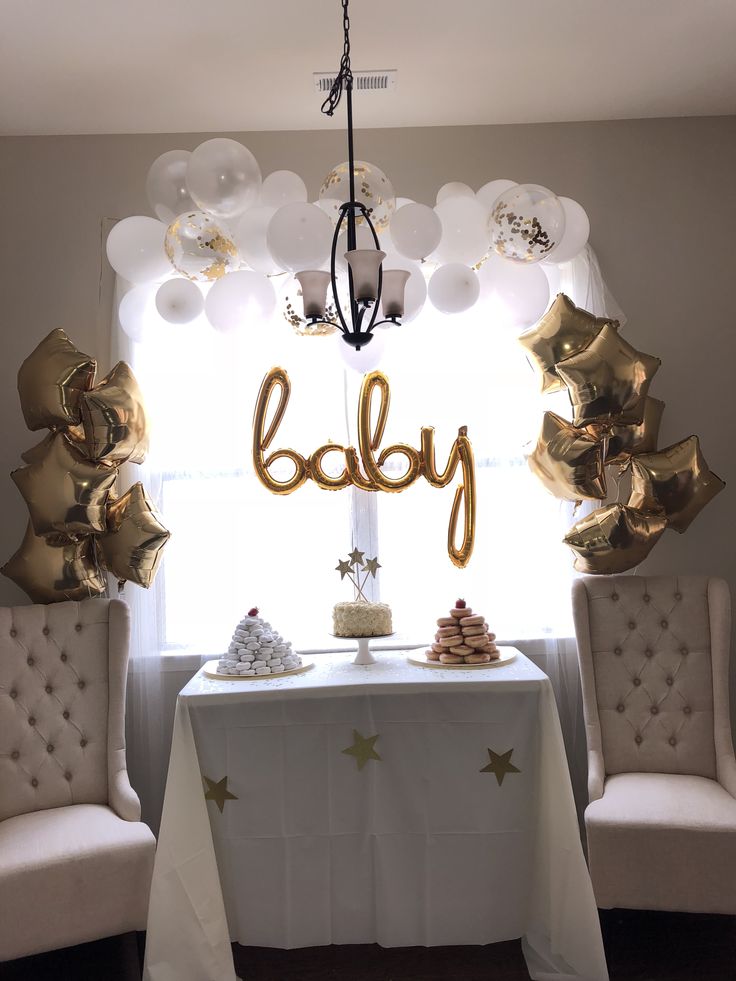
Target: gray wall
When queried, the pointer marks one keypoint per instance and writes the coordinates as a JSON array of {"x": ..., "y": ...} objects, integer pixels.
[{"x": 662, "y": 204}]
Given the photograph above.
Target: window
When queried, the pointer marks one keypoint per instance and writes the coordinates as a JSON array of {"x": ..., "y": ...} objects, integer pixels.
[{"x": 235, "y": 545}]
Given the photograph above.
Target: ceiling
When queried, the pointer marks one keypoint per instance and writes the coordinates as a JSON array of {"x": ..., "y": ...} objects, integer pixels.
[{"x": 94, "y": 66}]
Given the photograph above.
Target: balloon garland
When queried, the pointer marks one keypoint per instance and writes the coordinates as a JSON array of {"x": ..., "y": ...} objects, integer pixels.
[
  {"x": 78, "y": 526},
  {"x": 615, "y": 422}
]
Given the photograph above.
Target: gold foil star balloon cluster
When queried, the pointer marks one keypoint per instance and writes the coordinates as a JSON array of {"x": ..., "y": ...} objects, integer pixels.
[
  {"x": 78, "y": 525},
  {"x": 615, "y": 422},
  {"x": 356, "y": 566}
]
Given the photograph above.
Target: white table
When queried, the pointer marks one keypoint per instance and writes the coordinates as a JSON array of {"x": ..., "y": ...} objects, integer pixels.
[{"x": 421, "y": 847}]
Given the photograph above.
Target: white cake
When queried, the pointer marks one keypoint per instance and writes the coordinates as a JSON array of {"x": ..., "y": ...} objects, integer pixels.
[
  {"x": 361, "y": 619},
  {"x": 257, "y": 649}
]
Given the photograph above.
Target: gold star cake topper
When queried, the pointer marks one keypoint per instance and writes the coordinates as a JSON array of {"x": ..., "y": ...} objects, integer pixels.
[
  {"x": 363, "y": 749},
  {"x": 218, "y": 792},
  {"x": 500, "y": 765},
  {"x": 355, "y": 566}
]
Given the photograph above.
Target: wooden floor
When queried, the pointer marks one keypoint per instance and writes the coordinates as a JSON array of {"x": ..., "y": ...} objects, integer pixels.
[{"x": 639, "y": 946}]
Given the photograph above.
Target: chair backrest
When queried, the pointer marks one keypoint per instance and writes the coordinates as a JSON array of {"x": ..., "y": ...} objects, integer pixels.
[
  {"x": 654, "y": 655},
  {"x": 62, "y": 702}
]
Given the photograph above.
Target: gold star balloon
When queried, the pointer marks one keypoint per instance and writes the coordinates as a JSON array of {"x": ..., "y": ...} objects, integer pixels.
[
  {"x": 218, "y": 792},
  {"x": 362, "y": 749},
  {"x": 564, "y": 330},
  {"x": 625, "y": 440},
  {"x": 133, "y": 544},
  {"x": 675, "y": 482},
  {"x": 613, "y": 539},
  {"x": 51, "y": 381},
  {"x": 608, "y": 378},
  {"x": 64, "y": 492},
  {"x": 114, "y": 419},
  {"x": 500, "y": 764},
  {"x": 569, "y": 461},
  {"x": 54, "y": 573}
]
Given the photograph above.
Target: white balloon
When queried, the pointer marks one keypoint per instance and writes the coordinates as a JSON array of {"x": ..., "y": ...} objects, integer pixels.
[
  {"x": 179, "y": 301},
  {"x": 223, "y": 177},
  {"x": 454, "y": 189},
  {"x": 299, "y": 236},
  {"x": 415, "y": 291},
  {"x": 518, "y": 293},
  {"x": 239, "y": 299},
  {"x": 415, "y": 231},
  {"x": 250, "y": 239},
  {"x": 577, "y": 229},
  {"x": 490, "y": 191},
  {"x": 454, "y": 288},
  {"x": 368, "y": 357},
  {"x": 135, "y": 249},
  {"x": 282, "y": 187},
  {"x": 465, "y": 236},
  {"x": 400, "y": 202},
  {"x": 166, "y": 185},
  {"x": 136, "y": 311}
]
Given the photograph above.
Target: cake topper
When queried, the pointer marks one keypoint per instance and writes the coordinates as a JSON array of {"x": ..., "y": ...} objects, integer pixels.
[{"x": 353, "y": 567}]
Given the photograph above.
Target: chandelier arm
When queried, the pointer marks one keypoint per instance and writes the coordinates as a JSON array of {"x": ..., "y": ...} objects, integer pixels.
[{"x": 333, "y": 274}]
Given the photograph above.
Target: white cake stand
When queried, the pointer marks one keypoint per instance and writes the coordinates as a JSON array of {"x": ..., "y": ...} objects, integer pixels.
[{"x": 364, "y": 654}]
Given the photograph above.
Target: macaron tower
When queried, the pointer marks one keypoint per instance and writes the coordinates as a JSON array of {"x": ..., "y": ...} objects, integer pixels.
[{"x": 463, "y": 637}]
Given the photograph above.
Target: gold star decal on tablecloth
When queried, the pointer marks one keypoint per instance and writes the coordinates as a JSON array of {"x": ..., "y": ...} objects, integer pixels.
[
  {"x": 356, "y": 557},
  {"x": 362, "y": 749},
  {"x": 343, "y": 568},
  {"x": 500, "y": 765},
  {"x": 218, "y": 792},
  {"x": 372, "y": 566}
]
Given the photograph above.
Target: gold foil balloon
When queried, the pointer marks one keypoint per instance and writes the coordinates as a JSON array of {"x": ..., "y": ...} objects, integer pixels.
[
  {"x": 65, "y": 493},
  {"x": 200, "y": 247},
  {"x": 465, "y": 497},
  {"x": 51, "y": 381},
  {"x": 51, "y": 573},
  {"x": 369, "y": 440},
  {"x": 114, "y": 419},
  {"x": 675, "y": 482},
  {"x": 133, "y": 544},
  {"x": 276, "y": 378},
  {"x": 569, "y": 461},
  {"x": 608, "y": 378},
  {"x": 640, "y": 437},
  {"x": 613, "y": 539},
  {"x": 372, "y": 188},
  {"x": 564, "y": 330}
]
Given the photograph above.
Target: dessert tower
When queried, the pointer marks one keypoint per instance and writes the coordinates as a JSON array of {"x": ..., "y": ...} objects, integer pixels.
[{"x": 463, "y": 637}]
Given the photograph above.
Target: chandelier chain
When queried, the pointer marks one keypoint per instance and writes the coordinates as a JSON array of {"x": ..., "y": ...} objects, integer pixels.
[{"x": 344, "y": 76}]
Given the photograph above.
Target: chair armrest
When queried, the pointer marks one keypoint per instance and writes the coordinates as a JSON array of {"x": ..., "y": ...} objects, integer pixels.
[
  {"x": 123, "y": 799},
  {"x": 726, "y": 768},
  {"x": 596, "y": 775}
]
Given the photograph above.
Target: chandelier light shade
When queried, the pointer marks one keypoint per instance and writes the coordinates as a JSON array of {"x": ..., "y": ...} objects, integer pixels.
[
  {"x": 314, "y": 285},
  {"x": 392, "y": 294}
]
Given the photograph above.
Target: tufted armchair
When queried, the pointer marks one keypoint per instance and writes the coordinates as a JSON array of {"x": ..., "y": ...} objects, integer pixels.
[
  {"x": 654, "y": 663},
  {"x": 75, "y": 861}
]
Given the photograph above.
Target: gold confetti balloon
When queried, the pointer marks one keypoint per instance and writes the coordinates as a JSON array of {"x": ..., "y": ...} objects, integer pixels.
[
  {"x": 114, "y": 419},
  {"x": 133, "y": 544},
  {"x": 372, "y": 188},
  {"x": 201, "y": 247},
  {"x": 52, "y": 573},
  {"x": 51, "y": 381},
  {"x": 614, "y": 539},
  {"x": 526, "y": 222},
  {"x": 675, "y": 482},
  {"x": 569, "y": 461}
]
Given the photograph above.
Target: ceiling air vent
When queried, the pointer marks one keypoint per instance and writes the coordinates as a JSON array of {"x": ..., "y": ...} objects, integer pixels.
[{"x": 375, "y": 81}]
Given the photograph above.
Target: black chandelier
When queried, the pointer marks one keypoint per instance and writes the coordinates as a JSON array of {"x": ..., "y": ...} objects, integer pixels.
[{"x": 370, "y": 287}]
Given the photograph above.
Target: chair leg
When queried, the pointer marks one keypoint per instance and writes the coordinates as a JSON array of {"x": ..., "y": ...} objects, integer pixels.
[{"x": 140, "y": 939}]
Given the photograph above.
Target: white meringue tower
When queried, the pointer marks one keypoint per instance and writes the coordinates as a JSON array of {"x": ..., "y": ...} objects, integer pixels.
[{"x": 257, "y": 649}]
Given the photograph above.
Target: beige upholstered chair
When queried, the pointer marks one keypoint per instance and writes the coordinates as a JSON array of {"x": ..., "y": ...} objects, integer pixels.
[
  {"x": 75, "y": 861},
  {"x": 661, "y": 822}
]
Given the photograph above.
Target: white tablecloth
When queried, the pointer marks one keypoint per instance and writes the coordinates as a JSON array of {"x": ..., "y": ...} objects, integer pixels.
[{"x": 418, "y": 848}]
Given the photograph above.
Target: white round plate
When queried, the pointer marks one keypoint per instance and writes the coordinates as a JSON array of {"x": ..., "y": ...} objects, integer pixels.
[
  {"x": 507, "y": 655},
  {"x": 210, "y": 670}
]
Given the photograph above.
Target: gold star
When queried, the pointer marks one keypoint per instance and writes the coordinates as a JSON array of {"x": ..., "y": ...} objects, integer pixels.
[
  {"x": 372, "y": 566},
  {"x": 500, "y": 765},
  {"x": 343, "y": 568},
  {"x": 362, "y": 749},
  {"x": 356, "y": 557},
  {"x": 218, "y": 792}
]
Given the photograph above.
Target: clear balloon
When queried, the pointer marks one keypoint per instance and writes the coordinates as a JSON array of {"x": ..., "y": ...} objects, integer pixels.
[
  {"x": 166, "y": 185},
  {"x": 453, "y": 288},
  {"x": 238, "y": 300},
  {"x": 179, "y": 301},
  {"x": 367, "y": 358},
  {"x": 416, "y": 231},
  {"x": 488, "y": 194},
  {"x": 372, "y": 188},
  {"x": 464, "y": 231},
  {"x": 518, "y": 294},
  {"x": 282, "y": 187},
  {"x": 135, "y": 249},
  {"x": 526, "y": 223},
  {"x": 201, "y": 247},
  {"x": 223, "y": 177},
  {"x": 299, "y": 236},
  {"x": 250, "y": 239},
  {"x": 577, "y": 230},
  {"x": 454, "y": 189}
]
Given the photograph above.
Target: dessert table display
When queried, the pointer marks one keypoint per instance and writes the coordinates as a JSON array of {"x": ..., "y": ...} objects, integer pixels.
[{"x": 380, "y": 804}]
